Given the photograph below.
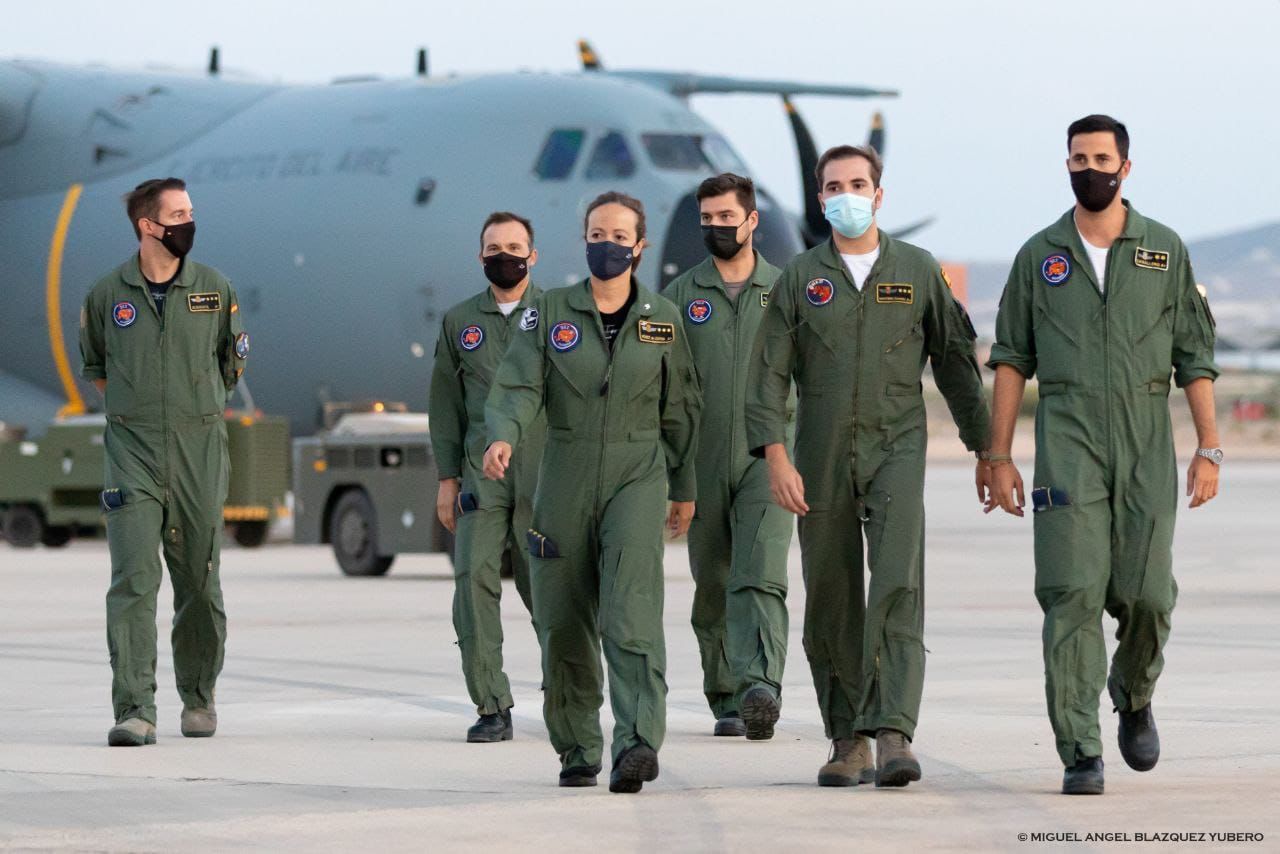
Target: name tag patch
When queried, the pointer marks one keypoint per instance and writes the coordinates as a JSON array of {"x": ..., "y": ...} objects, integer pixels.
[
  {"x": 204, "y": 302},
  {"x": 1151, "y": 259},
  {"x": 652, "y": 332},
  {"x": 899, "y": 293}
]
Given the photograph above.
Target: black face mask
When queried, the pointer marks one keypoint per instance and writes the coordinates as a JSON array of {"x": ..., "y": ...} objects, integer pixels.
[
  {"x": 1095, "y": 190},
  {"x": 505, "y": 270},
  {"x": 722, "y": 240},
  {"x": 609, "y": 260},
  {"x": 178, "y": 239}
]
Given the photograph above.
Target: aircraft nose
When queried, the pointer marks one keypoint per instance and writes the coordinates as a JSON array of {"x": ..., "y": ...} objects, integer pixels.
[{"x": 777, "y": 237}]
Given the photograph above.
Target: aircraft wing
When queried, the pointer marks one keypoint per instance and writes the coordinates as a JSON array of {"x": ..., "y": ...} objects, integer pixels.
[{"x": 683, "y": 84}]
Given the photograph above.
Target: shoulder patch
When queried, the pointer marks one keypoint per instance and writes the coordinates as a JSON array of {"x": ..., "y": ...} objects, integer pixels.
[
  {"x": 529, "y": 320},
  {"x": 698, "y": 311},
  {"x": 946, "y": 278},
  {"x": 242, "y": 346},
  {"x": 895, "y": 292},
  {"x": 1151, "y": 259},
  {"x": 470, "y": 338},
  {"x": 655, "y": 332},
  {"x": 211, "y": 301},
  {"x": 564, "y": 336},
  {"x": 1056, "y": 269},
  {"x": 819, "y": 291},
  {"x": 124, "y": 314}
]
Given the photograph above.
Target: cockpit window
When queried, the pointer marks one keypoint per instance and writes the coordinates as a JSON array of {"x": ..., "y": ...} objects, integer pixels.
[
  {"x": 559, "y": 153},
  {"x": 691, "y": 152},
  {"x": 611, "y": 158}
]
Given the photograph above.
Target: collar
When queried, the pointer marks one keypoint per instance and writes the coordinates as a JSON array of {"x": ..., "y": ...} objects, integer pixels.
[
  {"x": 489, "y": 302},
  {"x": 131, "y": 273},
  {"x": 707, "y": 275},
  {"x": 580, "y": 298},
  {"x": 829, "y": 255},
  {"x": 1064, "y": 233}
]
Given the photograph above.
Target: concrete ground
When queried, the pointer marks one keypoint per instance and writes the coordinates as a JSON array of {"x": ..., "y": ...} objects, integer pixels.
[{"x": 342, "y": 712}]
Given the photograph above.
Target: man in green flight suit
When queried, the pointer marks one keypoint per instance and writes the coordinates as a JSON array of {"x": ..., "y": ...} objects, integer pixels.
[
  {"x": 739, "y": 538},
  {"x": 854, "y": 321},
  {"x": 1103, "y": 306},
  {"x": 607, "y": 359},
  {"x": 488, "y": 518},
  {"x": 161, "y": 338}
]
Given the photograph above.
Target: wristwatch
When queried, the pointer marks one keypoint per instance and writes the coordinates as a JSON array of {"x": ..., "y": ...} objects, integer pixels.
[{"x": 1213, "y": 455}]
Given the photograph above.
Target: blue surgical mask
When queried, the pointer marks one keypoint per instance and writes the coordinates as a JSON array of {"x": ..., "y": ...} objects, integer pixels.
[{"x": 849, "y": 214}]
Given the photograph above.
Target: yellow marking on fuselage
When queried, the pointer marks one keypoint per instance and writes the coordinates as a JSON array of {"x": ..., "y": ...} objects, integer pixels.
[{"x": 53, "y": 303}]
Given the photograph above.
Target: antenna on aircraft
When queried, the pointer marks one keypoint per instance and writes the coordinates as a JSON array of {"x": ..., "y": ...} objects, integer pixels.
[
  {"x": 586, "y": 53},
  {"x": 422, "y": 62},
  {"x": 214, "y": 64}
]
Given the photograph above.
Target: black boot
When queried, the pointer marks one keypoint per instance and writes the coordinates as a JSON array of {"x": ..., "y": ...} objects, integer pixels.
[
  {"x": 760, "y": 711},
  {"x": 731, "y": 723},
  {"x": 1083, "y": 778},
  {"x": 579, "y": 776},
  {"x": 635, "y": 767},
  {"x": 490, "y": 728},
  {"x": 1139, "y": 741}
]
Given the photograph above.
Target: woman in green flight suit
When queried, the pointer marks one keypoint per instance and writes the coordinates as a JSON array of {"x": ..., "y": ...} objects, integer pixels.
[{"x": 608, "y": 361}]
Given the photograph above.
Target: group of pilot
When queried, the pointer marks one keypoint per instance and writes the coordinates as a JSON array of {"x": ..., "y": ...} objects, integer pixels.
[{"x": 573, "y": 427}]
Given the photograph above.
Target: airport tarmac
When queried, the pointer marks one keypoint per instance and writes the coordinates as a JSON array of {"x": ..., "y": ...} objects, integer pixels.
[{"x": 342, "y": 712}]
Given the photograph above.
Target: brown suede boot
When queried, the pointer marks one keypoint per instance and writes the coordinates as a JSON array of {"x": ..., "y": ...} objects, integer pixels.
[
  {"x": 896, "y": 765},
  {"x": 199, "y": 723},
  {"x": 850, "y": 763},
  {"x": 131, "y": 732}
]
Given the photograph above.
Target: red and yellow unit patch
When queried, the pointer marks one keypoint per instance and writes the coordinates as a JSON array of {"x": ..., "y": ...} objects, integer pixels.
[
  {"x": 564, "y": 336},
  {"x": 470, "y": 338},
  {"x": 819, "y": 291}
]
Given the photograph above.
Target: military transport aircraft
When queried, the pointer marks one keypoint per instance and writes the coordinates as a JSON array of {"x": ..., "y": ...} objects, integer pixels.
[{"x": 346, "y": 214}]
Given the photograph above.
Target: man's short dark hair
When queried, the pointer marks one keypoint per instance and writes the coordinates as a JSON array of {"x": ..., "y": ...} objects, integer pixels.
[
  {"x": 498, "y": 217},
  {"x": 844, "y": 152},
  {"x": 743, "y": 188},
  {"x": 615, "y": 198},
  {"x": 1098, "y": 123},
  {"x": 143, "y": 201}
]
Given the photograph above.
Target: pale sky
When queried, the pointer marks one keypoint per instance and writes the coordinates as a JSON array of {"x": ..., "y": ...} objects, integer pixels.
[{"x": 977, "y": 138}]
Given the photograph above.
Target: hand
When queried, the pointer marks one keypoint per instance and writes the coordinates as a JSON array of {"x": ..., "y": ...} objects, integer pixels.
[
  {"x": 1202, "y": 481},
  {"x": 1005, "y": 485},
  {"x": 497, "y": 458},
  {"x": 447, "y": 503},
  {"x": 786, "y": 486},
  {"x": 679, "y": 517},
  {"x": 982, "y": 480}
]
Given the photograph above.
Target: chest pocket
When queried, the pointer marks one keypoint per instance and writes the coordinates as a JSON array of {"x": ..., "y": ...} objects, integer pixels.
[
  {"x": 827, "y": 338},
  {"x": 193, "y": 337}
]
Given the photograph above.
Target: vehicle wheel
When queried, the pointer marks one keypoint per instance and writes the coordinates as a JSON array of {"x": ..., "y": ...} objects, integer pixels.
[
  {"x": 56, "y": 538},
  {"x": 23, "y": 526},
  {"x": 353, "y": 528},
  {"x": 250, "y": 534}
]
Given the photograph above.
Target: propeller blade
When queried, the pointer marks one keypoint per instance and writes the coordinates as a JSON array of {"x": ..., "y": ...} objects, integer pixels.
[
  {"x": 908, "y": 230},
  {"x": 814, "y": 227},
  {"x": 875, "y": 139}
]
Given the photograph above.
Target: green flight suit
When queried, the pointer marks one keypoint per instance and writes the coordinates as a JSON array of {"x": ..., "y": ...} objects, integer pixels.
[
  {"x": 739, "y": 538},
  {"x": 621, "y": 439},
  {"x": 168, "y": 377},
  {"x": 1104, "y": 444},
  {"x": 473, "y": 339},
  {"x": 857, "y": 359}
]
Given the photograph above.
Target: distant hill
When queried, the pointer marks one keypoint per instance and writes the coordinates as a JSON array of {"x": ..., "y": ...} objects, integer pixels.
[{"x": 1240, "y": 271}]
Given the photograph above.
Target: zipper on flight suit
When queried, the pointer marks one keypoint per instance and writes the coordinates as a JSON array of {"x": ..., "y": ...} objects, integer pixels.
[
  {"x": 1106, "y": 353},
  {"x": 164, "y": 390}
]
